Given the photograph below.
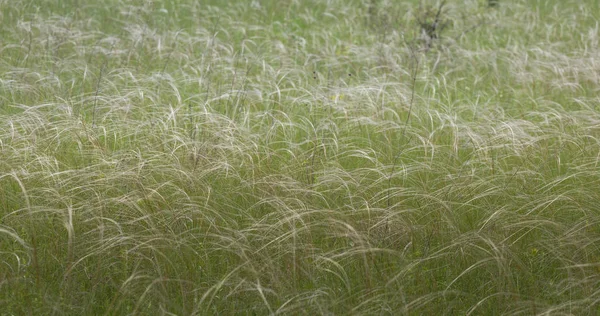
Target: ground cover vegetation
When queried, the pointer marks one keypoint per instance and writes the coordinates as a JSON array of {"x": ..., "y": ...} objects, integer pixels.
[{"x": 299, "y": 157}]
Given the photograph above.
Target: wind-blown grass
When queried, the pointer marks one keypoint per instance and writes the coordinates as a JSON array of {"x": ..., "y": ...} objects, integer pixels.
[{"x": 285, "y": 157}]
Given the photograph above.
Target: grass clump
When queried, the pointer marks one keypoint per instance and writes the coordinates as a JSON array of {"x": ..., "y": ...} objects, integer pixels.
[{"x": 299, "y": 158}]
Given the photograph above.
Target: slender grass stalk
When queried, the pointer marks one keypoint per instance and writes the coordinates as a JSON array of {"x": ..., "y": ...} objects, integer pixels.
[
  {"x": 98, "y": 82},
  {"x": 31, "y": 228},
  {"x": 414, "y": 74}
]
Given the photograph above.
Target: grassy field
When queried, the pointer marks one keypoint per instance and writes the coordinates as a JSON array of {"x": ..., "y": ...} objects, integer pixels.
[{"x": 299, "y": 157}]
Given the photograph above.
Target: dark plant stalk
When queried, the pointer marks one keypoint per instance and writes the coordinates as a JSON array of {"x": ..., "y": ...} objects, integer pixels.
[
  {"x": 170, "y": 53},
  {"x": 412, "y": 94},
  {"x": 34, "y": 257},
  {"x": 164, "y": 68},
  {"x": 102, "y": 68},
  {"x": 242, "y": 94},
  {"x": 30, "y": 36},
  {"x": 402, "y": 136}
]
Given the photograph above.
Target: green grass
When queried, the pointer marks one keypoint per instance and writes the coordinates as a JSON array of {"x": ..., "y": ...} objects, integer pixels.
[{"x": 299, "y": 157}]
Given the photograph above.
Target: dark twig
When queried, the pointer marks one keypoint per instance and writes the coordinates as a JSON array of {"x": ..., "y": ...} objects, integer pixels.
[
  {"x": 410, "y": 107},
  {"x": 102, "y": 68}
]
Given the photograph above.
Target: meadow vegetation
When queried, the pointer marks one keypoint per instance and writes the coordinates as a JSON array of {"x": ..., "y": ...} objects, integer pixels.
[{"x": 299, "y": 157}]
